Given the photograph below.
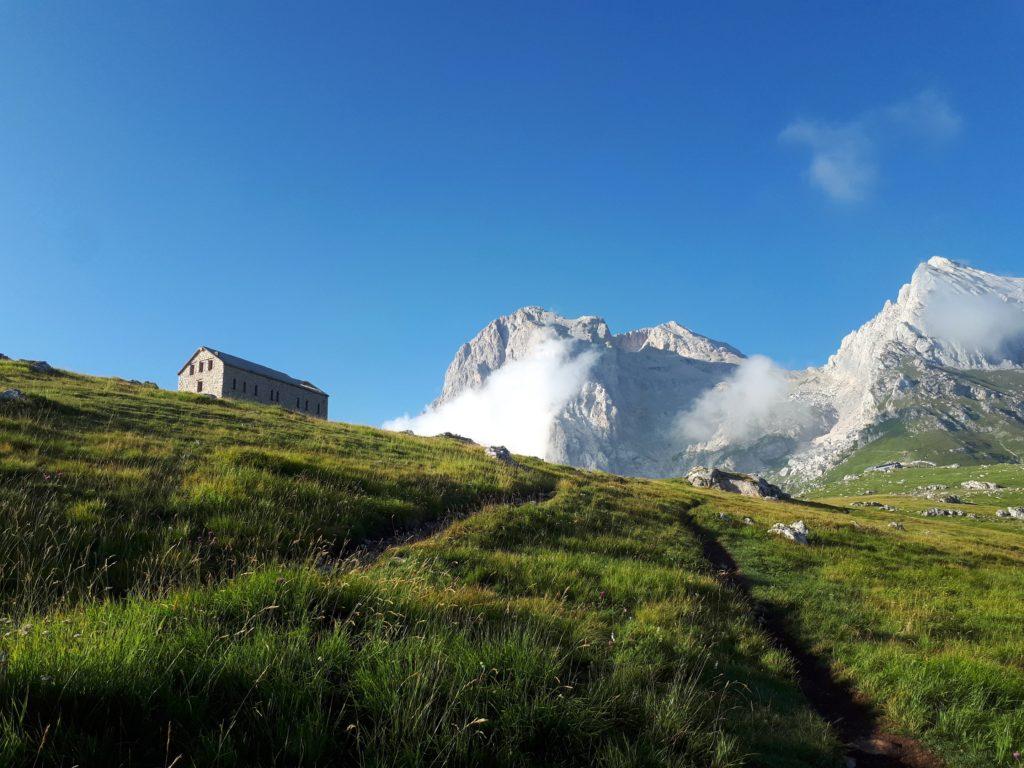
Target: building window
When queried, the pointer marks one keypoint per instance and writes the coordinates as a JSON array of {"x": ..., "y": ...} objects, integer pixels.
[
  {"x": 199, "y": 386},
  {"x": 255, "y": 390},
  {"x": 318, "y": 409},
  {"x": 234, "y": 383},
  {"x": 192, "y": 370},
  {"x": 296, "y": 403},
  {"x": 307, "y": 403},
  {"x": 243, "y": 386},
  {"x": 209, "y": 365}
]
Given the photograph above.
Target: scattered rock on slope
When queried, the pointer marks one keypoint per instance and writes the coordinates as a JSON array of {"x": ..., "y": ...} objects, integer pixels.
[
  {"x": 979, "y": 485},
  {"x": 936, "y": 512},
  {"x": 735, "y": 482},
  {"x": 40, "y": 366},
  {"x": 502, "y": 454},
  {"x": 796, "y": 532},
  {"x": 874, "y": 505},
  {"x": 13, "y": 394},
  {"x": 1017, "y": 513}
]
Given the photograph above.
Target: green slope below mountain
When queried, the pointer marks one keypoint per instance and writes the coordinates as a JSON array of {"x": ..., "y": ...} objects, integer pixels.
[{"x": 181, "y": 583}]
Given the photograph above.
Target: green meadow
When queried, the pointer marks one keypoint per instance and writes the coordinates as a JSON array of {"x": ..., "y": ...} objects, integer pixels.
[{"x": 193, "y": 582}]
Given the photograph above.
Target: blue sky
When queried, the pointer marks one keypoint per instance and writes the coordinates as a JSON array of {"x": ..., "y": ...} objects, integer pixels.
[{"x": 349, "y": 192}]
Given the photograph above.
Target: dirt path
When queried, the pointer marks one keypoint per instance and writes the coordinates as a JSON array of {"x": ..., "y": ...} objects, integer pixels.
[
  {"x": 868, "y": 745},
  {"x": 368, "y": 552}
]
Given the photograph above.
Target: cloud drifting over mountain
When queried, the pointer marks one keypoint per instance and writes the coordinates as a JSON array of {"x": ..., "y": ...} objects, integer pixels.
[
  {"x": 753, "y": 402},
  {"x": 983, "y": 321},
  {"x": 844, "y": 156},
  {"x": 516, "y": 405}
]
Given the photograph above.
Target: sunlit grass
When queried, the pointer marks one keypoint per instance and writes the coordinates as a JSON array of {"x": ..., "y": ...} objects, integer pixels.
[{"x": 174, "y": 585}]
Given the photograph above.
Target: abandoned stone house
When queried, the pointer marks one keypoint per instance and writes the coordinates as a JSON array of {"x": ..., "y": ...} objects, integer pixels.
[{"x": 211, "y": 372}]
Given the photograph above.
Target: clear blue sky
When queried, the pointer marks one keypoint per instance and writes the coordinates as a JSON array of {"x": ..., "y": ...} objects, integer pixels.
[{"x": 350, "y": 191}]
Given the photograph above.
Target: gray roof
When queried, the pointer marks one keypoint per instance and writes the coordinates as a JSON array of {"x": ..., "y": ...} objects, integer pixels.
[{"x": 262, "y": 370}]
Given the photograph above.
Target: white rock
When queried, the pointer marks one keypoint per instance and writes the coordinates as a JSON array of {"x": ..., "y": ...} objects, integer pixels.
[
  {"x": 502, "y": 454},
  {"x": 796, "y": 532},
  {"x": 979, "y": 485}
]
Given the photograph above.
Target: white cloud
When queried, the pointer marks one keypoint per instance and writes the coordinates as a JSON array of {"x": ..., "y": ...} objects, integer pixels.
[
  {"x": 927, "y": 114},
  {"x": 841, "y": 157},
  {"x": 750, "y": 404},
  {"x": 844, "y": 155},
  {"x": 981, "y": 323},
  {"x": 517, "y": 404}
]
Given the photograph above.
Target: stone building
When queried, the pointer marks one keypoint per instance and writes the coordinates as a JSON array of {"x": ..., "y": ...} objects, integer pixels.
[{"x": 211, "y": 372}]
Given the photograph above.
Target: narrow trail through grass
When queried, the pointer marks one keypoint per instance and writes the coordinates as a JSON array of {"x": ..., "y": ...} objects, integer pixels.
[{"x": 855, "y": 721}]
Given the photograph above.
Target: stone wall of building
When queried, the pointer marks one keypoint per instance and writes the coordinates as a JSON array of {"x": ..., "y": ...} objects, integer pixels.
[
  {"x": 208, "y": 375},
  {"x": 208, "y": 381},
  {"x": 245, "y": 385}
]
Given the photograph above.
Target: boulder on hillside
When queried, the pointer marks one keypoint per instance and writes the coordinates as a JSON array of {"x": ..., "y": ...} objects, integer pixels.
[
  {"x": 796, "y": 532},
  {"x": 14, "y": 395},
  {"x": 874, "y": 505},
  {"x": 4, "y": 357},
  {"x": 502, "y": 454},
  {"x": 1017, "y": 513},
  {"x": 979, "y": 485},
  {"x": 735, "y": 482},
  {"x": 458, "y": 438},
  {"x": 897, "y": 525},
  {"x": 936, "y": 512},
  {"x": 40, "y": 366}
]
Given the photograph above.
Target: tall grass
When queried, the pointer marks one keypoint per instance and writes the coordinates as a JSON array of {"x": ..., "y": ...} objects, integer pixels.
[
  {"x": 175, "y": 591},
  {"x": 925, "y": 622}
]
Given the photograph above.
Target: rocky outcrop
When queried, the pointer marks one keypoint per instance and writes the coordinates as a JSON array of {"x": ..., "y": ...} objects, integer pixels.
[
  {"x": 735, "y": 482},
  {"x": 795, "y": 532},
  {"x": 1016, "y": 513},
  {"x": 979, "y": 485},
  {"x": 40, "y": 366},
  {"x": 937, "y": 512},
  {"x": 874, "y": 505},
  {"x": 13, "y": 395},
  {"x": 502, "y": 454}
]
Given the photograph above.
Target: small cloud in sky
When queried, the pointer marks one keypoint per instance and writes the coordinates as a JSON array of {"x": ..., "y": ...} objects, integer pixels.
[
  {"x": 844, "y": 161},
  {"x": 928, "y": 115}
]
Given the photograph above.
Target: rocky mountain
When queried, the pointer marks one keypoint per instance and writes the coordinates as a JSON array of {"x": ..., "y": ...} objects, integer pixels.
[
  {"x": 938, "y": 374},
  {"x": 621, "y": 418}
]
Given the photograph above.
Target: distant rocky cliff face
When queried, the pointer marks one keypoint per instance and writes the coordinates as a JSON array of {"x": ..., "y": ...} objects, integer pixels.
[
  {"x": 657, "y": 401},
  {"x": 622, "y": 417}
]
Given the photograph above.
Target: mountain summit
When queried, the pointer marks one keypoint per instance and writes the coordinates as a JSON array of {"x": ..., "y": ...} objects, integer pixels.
[{"x": 938, "y": 373}]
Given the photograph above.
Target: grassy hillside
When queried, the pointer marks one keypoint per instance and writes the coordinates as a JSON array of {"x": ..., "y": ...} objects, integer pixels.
[
  {"x": 181, "y": 584},
  {"x": 973, "y": 418}
]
